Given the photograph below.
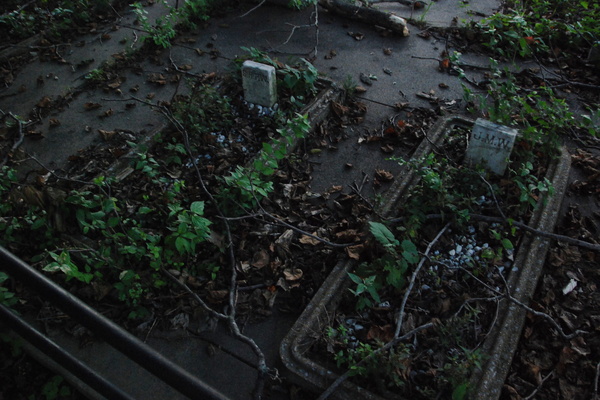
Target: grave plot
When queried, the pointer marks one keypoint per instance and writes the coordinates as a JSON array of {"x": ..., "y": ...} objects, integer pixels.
[
  {"x": 437, "y": 304},
  {"x": 222, "y": 177}
]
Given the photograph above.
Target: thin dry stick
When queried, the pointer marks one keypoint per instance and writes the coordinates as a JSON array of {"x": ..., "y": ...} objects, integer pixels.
[
  {"x": 539, "y": 386},
  {"x": 485, "y": 218},
  {"x": 315, "y": 13},
  {"x": 279, "y": 221},
  {"x": 263, "y": 370},
  {"x": 507, "y": 295},
  {"x": 539, "y": 313},
  {"x": 413, "y": 278},
  {"x": 198, "y": 299},
  {"x": 493, "y": 196},
  {"x": 252, "y": 9}
]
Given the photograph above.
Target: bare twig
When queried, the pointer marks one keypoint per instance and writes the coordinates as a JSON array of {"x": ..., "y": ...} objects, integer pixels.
[
  {"x": 279, "y": 221},
  {"x": 198, "y": 299},
  {"x": 547, "y": 317},
  {"x": 252, "y": 9},
  {"x": 413, "y": 278},
  {"x": 230, "y": 316},
  {"x": 493, "y": 196},
  {"x": 539, "y": 386},
  {"x": 525, "y": 227}
]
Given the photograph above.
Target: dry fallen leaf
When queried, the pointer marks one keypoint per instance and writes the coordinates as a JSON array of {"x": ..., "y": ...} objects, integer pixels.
[
  {"x": 261, "y": 259},
  {"x": 305, "y": 239},
  {"x": 355, "y": 251},
  {"x": 91, "y": 106},
  {"x": 383, "y": 175},
  {"x": 45, "y": 102},
  {"x": 357, "y": 35},
  {"x": 292, "y": 274},
  {"x": 106, "y": 135},
  {"x": 383, "y": 333},
  {"x": 107, "y": 113}
]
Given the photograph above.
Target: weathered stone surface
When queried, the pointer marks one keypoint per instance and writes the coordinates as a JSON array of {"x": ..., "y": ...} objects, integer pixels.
[
  {"x": 491, "y": 145},
  {"x": 260, "y": 86}
]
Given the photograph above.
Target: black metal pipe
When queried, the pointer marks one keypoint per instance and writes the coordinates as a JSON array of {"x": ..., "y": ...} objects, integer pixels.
[
  {"x": 62, "y": 357},
  {"x": 155, "y": 363}
]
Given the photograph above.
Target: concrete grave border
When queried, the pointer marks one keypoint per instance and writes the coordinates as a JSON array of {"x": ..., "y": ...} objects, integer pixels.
[{"x": 504, "y": 337}]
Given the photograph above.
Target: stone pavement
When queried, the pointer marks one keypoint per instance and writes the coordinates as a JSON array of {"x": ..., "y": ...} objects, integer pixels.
[{"x": 411, "y": 68}]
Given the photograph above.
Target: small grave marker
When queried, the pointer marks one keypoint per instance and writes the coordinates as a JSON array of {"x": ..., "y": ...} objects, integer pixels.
[
  {"x": 259, "y": 83},
  {"x": 490, "y": 144}
]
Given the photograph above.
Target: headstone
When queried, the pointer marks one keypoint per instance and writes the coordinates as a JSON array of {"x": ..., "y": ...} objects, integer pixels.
[
  {"x": 259, "y": 83},
  {"x": 491, "y": 145}
]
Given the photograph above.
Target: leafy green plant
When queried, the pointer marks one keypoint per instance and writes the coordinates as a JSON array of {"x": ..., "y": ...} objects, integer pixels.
[
  {"x": 510, "y": 35},
  {"x": 55, "y": 17},
  {"x": 7, "y": 298},
  {"x": 531, "y": 188},
  {"x": 56, "y": 388},
  {"x": 163, "y": 30},
  {"x": 63, "y": 263},
  {"x": 540, "y": 116},
  {"x": 389, "y": 269},
  {"x": 189, "y": 227},
  {"x": 361, "y": 359},
  {"x": 247, "y": 186},
  {"x": 529, "y": 27},
  {"x": 198, "y": 112},
  {"x": 96, "y": 75},
  {"x": 365, "y": 286},
  {"x": 301, "y": 4}
]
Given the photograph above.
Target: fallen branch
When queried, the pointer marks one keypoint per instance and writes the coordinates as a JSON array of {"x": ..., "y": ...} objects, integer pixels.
[
  {"x": 510, "y": 297},
  {"x": 230, "y": 316},
  {"x": 413, "y": 278},
  {"x": 367, "y": 14},
  {"x": 547, "y": 317},
  {"x": 525, "y": 227}
]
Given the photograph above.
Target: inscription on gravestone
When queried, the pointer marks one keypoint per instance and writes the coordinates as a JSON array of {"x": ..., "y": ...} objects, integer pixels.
[
  {"x": 491, "y": 145},
  {"x": 259, "y": 83}
]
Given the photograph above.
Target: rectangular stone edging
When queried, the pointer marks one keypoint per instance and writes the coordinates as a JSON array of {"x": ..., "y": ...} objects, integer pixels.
[
  {"x": 488, "y": 381},
  {"x": 317, "y": 111}
]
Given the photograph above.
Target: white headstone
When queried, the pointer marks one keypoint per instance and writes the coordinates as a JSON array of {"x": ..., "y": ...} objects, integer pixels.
[
  {"x": 491, "y": 145},
  {"x": 259, "y": 83}
]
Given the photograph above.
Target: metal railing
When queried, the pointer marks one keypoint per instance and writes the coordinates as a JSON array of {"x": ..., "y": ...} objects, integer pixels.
[{"x": 139, "y": 352}]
